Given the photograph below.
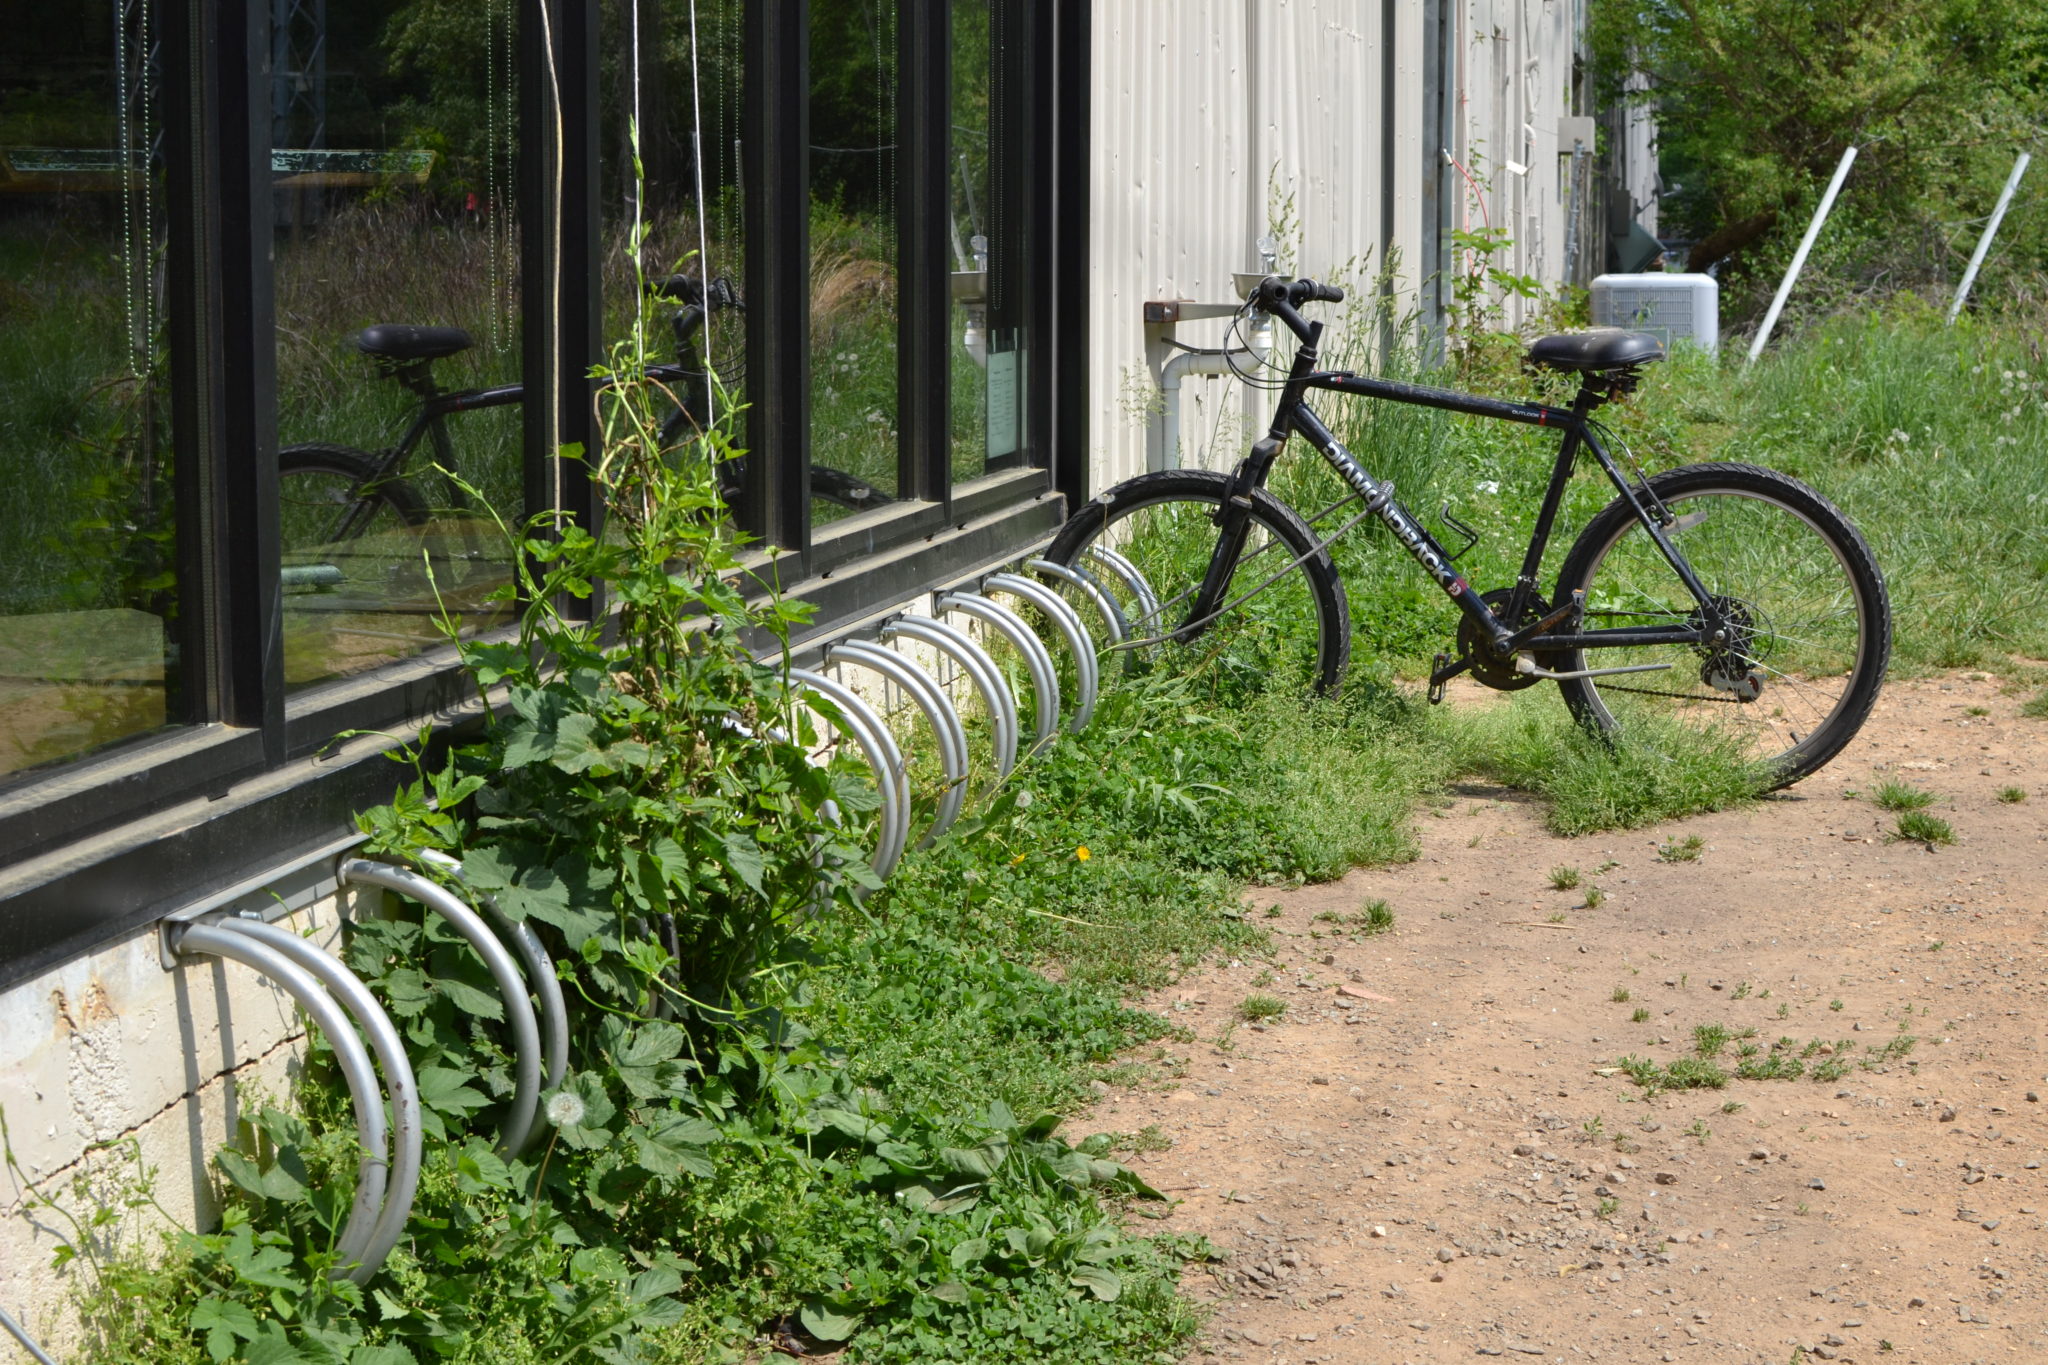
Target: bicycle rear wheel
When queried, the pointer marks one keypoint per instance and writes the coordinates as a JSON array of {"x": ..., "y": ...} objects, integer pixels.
[
  {"x": 1808, "y": 620},
  {"x": 1292, "y": 626}
]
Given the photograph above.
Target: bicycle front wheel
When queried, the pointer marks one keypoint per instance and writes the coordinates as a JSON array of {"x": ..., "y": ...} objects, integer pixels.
[
  {"x": 1148, "y": 541},
  {"x": 1804, "y": 607}
]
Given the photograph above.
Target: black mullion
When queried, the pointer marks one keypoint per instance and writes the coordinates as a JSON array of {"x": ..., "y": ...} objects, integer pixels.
[
  {"x": 223, "y": 364},
  {"x": 924, "y": 256},
  {"x": 776, "y": 166},
  {"x": 1067, "y": 74},
  {"x": 1033, "y": 109}
]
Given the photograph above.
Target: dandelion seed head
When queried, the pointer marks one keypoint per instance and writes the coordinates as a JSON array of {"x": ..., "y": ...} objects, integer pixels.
[{"x": 565, "y": 1109}]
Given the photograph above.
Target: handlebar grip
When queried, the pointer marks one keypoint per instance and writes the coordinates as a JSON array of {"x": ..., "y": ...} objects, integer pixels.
[{"x": 1329, "y": 293}]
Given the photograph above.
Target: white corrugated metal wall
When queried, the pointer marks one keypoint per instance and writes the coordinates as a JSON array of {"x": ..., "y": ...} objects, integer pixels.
[{"x": 1217, "y": 120}]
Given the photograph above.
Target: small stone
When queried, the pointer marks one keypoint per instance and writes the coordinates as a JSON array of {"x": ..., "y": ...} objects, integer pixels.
[
  {"x": 1524, "y": 1149},
  {"x": 1759, "y": 1154},
  {"x": 1379, "y": 1231},
  {"x": 2033, "y": 1097},
  {"x": 1260, "y": 1338},
  {"x": 1436, "y": 1277},
  {"x": 1989, "y": 1225},
  {"x": 1916, "y": 1302},
  {"x": 1852, "y": 1322},
  {"x": 1816, "y": 1184},
  {"x": 1446, "y": 1255},
  {"x": 1667, "y": 1177},
  {"x": 1099, "y": 1087},
  {"x": 1948, "y": 1113},
  {"x": 1319, "y": 1080}
]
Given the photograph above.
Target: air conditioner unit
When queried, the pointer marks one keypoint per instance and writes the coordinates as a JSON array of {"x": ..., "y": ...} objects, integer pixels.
[{"x": 1673, "y": 307}]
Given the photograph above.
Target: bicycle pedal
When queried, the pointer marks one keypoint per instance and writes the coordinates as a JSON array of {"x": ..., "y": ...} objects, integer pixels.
[{"x": 1437, "y": 678}]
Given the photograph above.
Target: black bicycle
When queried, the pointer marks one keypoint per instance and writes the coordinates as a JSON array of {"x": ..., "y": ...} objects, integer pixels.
[
  {"x": 1722, "y": 596},
  {"x": 356, "y": 523}
]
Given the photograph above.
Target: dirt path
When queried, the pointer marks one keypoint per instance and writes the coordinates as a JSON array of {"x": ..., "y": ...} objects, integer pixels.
[{"x": 1429, "y": 1157}]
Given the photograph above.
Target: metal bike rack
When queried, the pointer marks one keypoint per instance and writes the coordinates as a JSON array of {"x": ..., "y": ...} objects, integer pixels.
[
  {"x": 1113, "y": 620},
  {"x": 981, "y": 670},
  {"x": 1087, "y": 678},
  {"x": 540, "y": 976},
  {"x": 1134, "y": 582},
  {"x": 373, "y": 1163},
  {"x": 382, "y": 1036},
  {"x": 938, "y": 713},
  {"x": 518, "y": 1126},
  {"x": 1037, "y": 661},
  {"x": 885, "y": 760}
]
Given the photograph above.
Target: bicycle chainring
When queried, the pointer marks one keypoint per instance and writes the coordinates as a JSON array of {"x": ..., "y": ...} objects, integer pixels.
[{"x": 1497, "y": 673}]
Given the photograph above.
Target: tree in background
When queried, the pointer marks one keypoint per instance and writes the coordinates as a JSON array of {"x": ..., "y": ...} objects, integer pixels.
[{"x": 1756, "y": 100}]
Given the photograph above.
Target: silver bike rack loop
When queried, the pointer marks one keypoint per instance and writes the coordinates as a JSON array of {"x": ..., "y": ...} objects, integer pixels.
[
  {"x": 885, "y": 760},
  {"x": 1134, "y": 583},
  {"x": 382, "y": 1036},
  {"x": 938, "y": 712},
  {"x": 1037, "y": 661},
  {"x": 1113, "y": 621},
  {"x": 981, "y": 670},
  {"x": 504, "y": 971},
  {"x": 1087, "y": 677},
  {"x": 540, "y": 976},
  {"x": 372, "y": 1165}
]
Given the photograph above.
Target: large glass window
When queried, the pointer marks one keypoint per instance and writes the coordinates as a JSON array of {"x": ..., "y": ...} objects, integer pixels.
[
  {"x": 854, "y": 198},
  {"x": 676, "y": 74},
  {"x": 88, "y": 587},
  {"x": 394, "y": 131},
  {"x": 989, "y": 250}
]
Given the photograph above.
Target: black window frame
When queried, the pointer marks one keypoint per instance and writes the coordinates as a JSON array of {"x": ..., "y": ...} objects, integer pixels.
[{"x": 249, "y": 777}]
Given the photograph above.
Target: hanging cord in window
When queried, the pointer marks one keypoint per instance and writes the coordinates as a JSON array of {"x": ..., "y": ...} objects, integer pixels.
[
  {"x": 553, "y": 395},
  {"x": 131, "y": 67},
  {"x": 498, "y": 123},
  {"x": 638, "y": 190},
  {"x": 703, "y": 211}
]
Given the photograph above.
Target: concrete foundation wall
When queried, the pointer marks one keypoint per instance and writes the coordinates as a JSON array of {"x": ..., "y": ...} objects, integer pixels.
[{"x": 114, "y": 1070}]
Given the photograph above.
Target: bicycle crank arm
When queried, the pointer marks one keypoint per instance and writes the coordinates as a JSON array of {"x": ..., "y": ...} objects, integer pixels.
[{"x": 1527, "y": 666}]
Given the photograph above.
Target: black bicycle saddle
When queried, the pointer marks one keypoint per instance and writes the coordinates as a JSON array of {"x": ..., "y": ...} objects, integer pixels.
[
  {"x": 1603, "y": 348},
  {"x": 404, "y": 341}
]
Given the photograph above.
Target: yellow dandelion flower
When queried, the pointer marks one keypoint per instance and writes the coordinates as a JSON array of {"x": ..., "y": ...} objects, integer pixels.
[{"x": 1081, "y": 853}]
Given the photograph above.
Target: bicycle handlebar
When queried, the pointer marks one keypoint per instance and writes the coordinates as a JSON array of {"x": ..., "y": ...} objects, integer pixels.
[
  {"x": 688, "y": 289},
  {"x": 1278, "y": 289}
]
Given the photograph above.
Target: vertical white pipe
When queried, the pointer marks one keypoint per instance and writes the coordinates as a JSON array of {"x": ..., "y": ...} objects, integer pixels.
[
  {"x": 1820, "y": 215},
  {"x": 2012, "y": 182}
]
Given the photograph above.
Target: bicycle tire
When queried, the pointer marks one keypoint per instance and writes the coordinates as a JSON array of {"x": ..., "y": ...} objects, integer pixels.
[
  {"x": 379, "y": 561},
  {"x": 835, "y": 486},
  {"x": 1163, "y": 523},
  {"x": 1806, "y": 593}
]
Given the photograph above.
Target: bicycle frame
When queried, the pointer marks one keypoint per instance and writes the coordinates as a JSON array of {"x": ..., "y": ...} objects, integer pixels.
[{"x": 1295, "y": 416}]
